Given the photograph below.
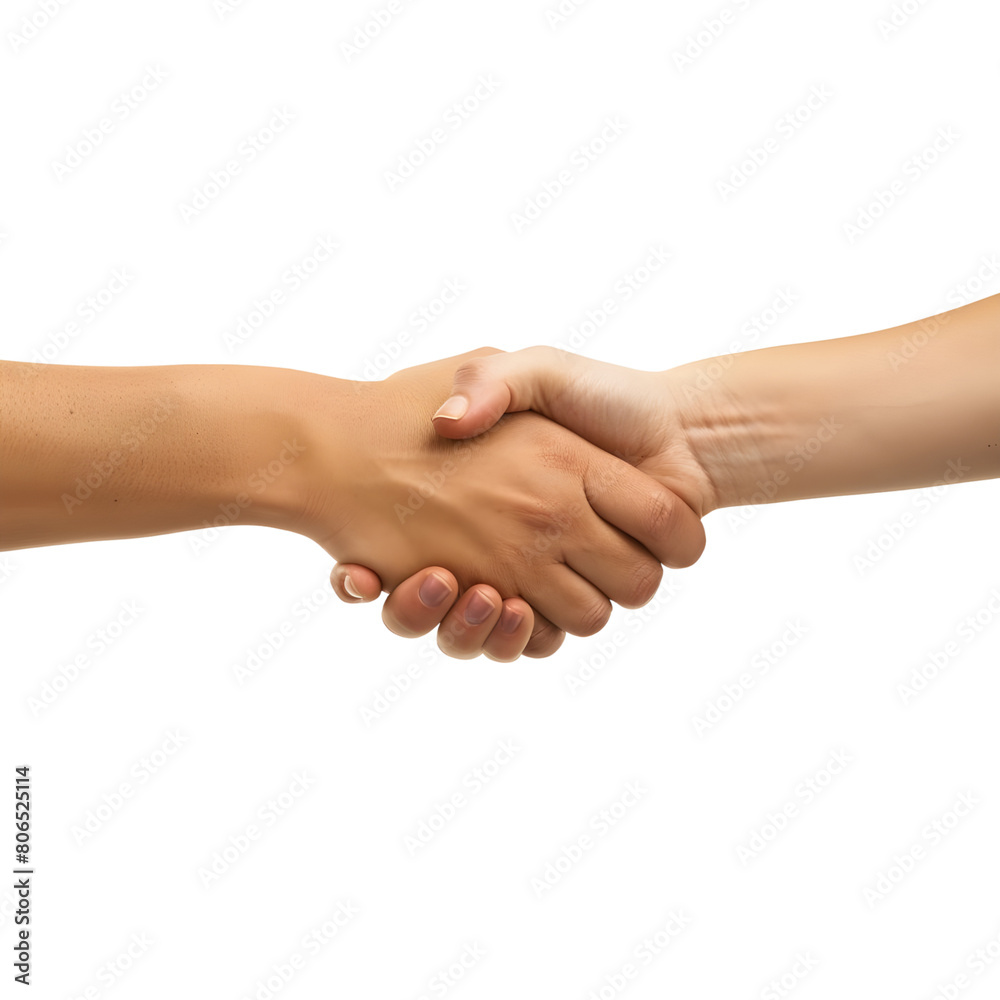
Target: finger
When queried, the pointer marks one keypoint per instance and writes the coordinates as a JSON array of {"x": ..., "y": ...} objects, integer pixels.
[
  {"x": 420, "y": 602},
  {"x": 639, "y": 506},
  {"x": 568, "y": 600},
  {"x": 545, "y": 637},
  {"x": 486, "y": 388},
  {"x": 470, "y": 622},
  {"x": 355, "y": 584},
  {"x": 618, "y": 566},
  {"x": 511, "y": 633}
]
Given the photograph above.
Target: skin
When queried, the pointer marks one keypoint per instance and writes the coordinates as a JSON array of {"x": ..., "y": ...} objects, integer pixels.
[
  {"x": 525, "y": 516},
  {"x": 912, "y": 406}
]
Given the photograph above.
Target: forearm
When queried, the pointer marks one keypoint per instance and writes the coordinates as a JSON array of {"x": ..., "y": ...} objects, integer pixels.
[
  {"x": 90, "y": 453},
  {"x": 911, "y": 406}
]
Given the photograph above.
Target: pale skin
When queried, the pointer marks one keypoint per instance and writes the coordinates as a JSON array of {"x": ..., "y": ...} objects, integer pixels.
[
  {"x": 529, "y": 516},
  {"x": 912, "y": 406}
]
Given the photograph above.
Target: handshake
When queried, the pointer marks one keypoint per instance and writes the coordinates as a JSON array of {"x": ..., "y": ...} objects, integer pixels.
[
  {"x": 551, "y": 485},
  {"x": 508, "y": 528},
  {"x": 505, "y": 498}
]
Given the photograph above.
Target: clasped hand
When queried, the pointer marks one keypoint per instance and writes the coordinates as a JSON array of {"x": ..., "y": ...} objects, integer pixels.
[{"x": 516, "y": 530}]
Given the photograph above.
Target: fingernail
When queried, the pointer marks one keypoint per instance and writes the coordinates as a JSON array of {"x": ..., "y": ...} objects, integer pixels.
[
  {"x": 510, "y": 620},
  {"x": 478, "y": 609},
  {"x": 434, "y": 590},
  {"x": 453, "y": 409},
  {"x": 350, "y": 588}
]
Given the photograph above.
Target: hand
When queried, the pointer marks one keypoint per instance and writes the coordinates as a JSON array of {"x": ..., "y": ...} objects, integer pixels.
[
  {"x": 826, "y": 418},
  {"x": 527, "y": 509},
  {"x": 413, "y": 609},
  {"x": 629, "y": 413},
  {"x": 636, "y": 415}
]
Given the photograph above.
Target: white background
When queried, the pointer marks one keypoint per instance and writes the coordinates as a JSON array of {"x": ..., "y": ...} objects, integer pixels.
[{"x": 867, "y": 625}]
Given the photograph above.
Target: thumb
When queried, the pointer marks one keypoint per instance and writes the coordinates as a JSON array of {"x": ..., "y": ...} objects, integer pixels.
[
  {"x": 353, "y": 583},
  {"x": 484, "y": 389}
]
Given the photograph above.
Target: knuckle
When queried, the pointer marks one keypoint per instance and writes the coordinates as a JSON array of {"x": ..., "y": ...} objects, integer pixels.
[
  {"x": 592, "y": 617},
  {"x": 470, "y": 371},
  {"x": 661, "y": 513},
  {"x": 557, "y": 367},
  {"x": 544, "y": 641},
  {"x": 646, "y": 577},
  {"x": 544, "y": 523},
  {"x": 548, "y": 356},
  {"x": 555, "y": 450}
]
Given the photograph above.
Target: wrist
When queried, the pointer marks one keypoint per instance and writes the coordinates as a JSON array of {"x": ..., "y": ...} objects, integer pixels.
[
  {"x": 303, "y": 449},
  {"x": 260, "y": 416},
  {"x": 737, "y": 429},
  {"x": 792, "y": 422},
  {"x": 337, "y": 432}
]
